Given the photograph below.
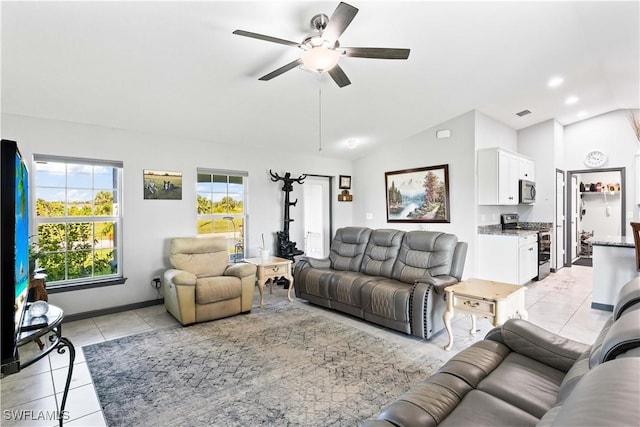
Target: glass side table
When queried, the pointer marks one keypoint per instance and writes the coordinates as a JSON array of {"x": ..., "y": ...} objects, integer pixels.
[{"x": 50, "y": 324}]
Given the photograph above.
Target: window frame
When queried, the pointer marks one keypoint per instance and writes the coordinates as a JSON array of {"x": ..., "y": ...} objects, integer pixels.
[
  {"x": 116, "y": 217},
  {"x": 213, "y": 216}
]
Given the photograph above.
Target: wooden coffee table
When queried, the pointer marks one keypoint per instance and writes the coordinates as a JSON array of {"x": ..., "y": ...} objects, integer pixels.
[
  {"x": 495, "y": 301},
  {"x": 270, "y": 269}
]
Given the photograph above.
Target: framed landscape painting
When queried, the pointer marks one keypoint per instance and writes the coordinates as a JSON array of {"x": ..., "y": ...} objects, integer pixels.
[
  {"x": 418, "y": 195},
  {"x": 162, "y": 185}
]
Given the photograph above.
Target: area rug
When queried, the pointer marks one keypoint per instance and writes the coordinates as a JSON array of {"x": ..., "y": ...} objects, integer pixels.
[
  {"x": 287, "y": 365},
  {"x": 585, "y": 261}
]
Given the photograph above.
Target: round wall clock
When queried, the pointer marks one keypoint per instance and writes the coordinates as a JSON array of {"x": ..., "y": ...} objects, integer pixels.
[{"x": 595, "y": 158}]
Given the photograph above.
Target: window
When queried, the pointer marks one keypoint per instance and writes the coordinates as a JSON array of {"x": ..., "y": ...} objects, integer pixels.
[
  {"x": 78, "y": 220},
  {"x": 221, "y": 207}
]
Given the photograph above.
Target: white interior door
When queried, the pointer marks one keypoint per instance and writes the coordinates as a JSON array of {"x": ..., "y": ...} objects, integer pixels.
[
  {"x": 559, "y": 238},
  {"x": 316, "y": 216}
]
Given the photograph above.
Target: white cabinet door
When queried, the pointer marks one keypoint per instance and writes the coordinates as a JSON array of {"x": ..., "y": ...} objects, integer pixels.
[
  {"x": 508, "y": 169},
  {"x": 527, "y": 262},
  {"x": 498, "y": 258},
  {"x": 487, "y": 171},
  {"x": 526, "y": 169}
]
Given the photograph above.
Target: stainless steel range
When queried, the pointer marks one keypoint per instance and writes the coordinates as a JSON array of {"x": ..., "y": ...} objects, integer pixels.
[
  {"x": 512, "y": 222},
  {"x": 544, "y": 253}
]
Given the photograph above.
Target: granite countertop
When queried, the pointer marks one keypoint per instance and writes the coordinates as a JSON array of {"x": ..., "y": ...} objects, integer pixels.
[
  {"x": 508, "y": 232},
  {"x": 528, "y": 228},
  {"x": 619, "y": 241}
]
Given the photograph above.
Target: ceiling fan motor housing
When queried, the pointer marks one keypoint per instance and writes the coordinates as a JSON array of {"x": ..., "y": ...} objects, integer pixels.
[{"x": 319, "y": 22}]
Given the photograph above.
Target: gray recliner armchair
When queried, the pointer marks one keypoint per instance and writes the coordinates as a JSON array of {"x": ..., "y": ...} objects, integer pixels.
[{"x": 202, "y": 285}]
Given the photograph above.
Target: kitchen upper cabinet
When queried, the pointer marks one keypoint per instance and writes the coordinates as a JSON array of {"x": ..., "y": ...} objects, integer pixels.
[
  {"x": 527, "y": 169},
  {"x": 499, "y": 175}
]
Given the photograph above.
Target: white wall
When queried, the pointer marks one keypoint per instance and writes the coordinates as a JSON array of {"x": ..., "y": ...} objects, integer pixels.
[
  {"x": 492, "y": 133},
  {"x": 538, "y": 142},
  {"x": 558, "y": 145},
  {"x": 422, "y": 150},
  {"x": 149, "y": 224},
  {"x": 611, "y": 133}
]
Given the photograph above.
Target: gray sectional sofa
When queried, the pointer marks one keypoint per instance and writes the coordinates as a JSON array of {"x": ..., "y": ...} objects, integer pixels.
[
  {"x": 389, "y": 277},
  {"x": 522, "y": 375}
]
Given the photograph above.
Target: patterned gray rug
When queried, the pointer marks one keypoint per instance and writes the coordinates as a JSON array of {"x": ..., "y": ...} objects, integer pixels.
[{"x": 282, "y": 365}]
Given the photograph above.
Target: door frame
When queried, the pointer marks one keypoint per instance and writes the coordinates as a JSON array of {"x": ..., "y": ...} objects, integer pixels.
[
  {"x": 574, "y": 209},
  {"x": 330, "y": 180},
  {"x": 623, "y": 199},
  {"x": 565, "y": 209}
]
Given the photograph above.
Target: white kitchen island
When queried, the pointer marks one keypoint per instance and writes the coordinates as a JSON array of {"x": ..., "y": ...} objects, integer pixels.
[{"x": 614, "y": 264}]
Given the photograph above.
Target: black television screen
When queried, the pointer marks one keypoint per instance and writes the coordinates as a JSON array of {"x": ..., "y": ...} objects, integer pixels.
[{"x": 14, "y": 249}]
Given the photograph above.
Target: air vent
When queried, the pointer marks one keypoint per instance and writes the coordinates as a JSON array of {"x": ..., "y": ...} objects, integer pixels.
[{"x": 523, "y": 113}]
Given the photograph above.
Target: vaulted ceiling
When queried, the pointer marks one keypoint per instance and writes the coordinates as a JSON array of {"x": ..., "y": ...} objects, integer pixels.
[{"x": 175, "y": 68}]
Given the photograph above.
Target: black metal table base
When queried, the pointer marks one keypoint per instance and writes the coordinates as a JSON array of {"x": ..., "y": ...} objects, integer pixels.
[
  {"x": 60, "y": 348},
  {"x": 53, "y": 328}
]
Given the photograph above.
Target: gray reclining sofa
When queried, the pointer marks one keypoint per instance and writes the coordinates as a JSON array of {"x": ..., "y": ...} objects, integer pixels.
[
  {"x": 389, "y": 277},
  {"x": 522, "y": 375}
]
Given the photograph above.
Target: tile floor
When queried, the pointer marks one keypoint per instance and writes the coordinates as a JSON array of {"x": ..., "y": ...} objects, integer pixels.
[{"x": 560, "y": 303}]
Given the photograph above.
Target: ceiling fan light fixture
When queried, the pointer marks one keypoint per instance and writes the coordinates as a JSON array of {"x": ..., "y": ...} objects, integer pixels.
[{"x": 320, "y": 58}]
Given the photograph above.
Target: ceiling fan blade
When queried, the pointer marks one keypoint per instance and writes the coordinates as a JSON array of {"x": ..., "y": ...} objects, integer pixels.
[
  {"x": 338, "y": 76},
  {"x": 266, "y": 38},
  {"x": 376, "y": 52},
  {"x": 339, "y": 21},
  {"x": 281, "y": 70}
]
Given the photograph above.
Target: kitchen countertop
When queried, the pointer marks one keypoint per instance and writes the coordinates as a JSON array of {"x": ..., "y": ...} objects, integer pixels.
[
  {"x": 528, "y": 228},
  {"x": 618, "y": 241},
  {"x": 509, "y": 232}
]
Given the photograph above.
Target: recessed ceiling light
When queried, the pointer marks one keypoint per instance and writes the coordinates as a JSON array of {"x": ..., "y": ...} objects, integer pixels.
[
  {"x": 571, "y": 100},
  {"x": 351, "y": 143},
  {"x": 582, "y": 114},
  {"x": 555, "y": 81}
]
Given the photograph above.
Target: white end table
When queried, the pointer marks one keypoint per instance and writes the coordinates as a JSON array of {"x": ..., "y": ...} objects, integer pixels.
[
  {"x": 269, "y": 269},
  {"x": 495, "y": 301}
]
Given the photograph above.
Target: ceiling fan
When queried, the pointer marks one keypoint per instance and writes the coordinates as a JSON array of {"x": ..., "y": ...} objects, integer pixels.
[{"x": 321, "y": 50}]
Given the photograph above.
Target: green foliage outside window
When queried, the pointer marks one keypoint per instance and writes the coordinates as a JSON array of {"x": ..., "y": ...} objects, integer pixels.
[
  {"x": 66, "y": 251},
  {"x": 225, "y": 206},
  {"x": 76, "y": 237}
]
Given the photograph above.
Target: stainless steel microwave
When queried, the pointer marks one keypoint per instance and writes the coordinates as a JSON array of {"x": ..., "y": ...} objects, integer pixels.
[{"x": 527, "y": 191}]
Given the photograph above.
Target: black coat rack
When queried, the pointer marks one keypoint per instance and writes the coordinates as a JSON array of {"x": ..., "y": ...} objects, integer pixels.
[{"x": 286, "y": 248}]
